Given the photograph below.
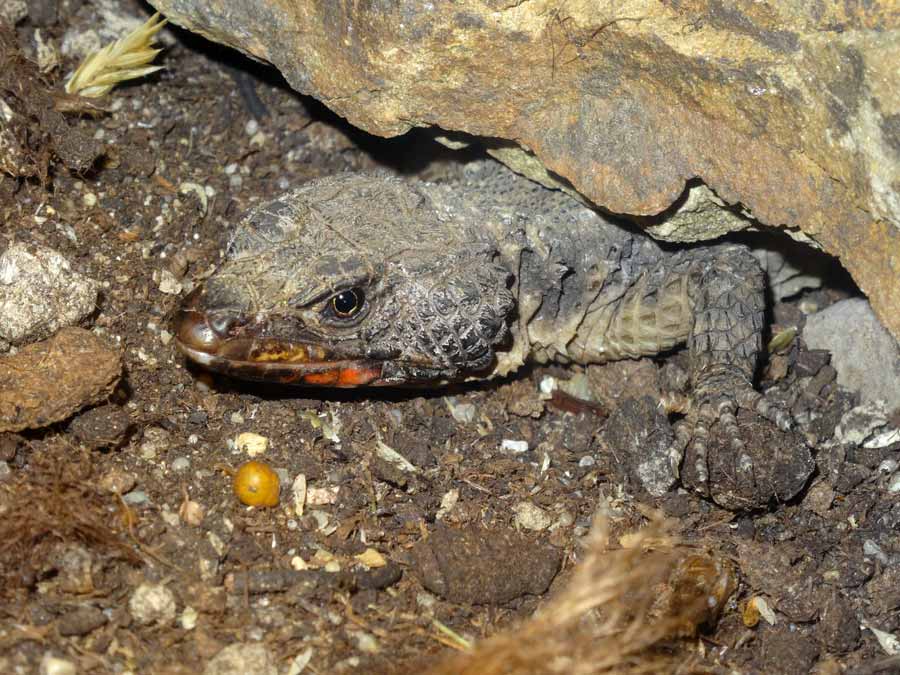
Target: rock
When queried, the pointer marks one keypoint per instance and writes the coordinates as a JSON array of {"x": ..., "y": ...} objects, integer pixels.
[
  {"x": 48, "y": 381},
  {"x": 13, "y": 11},
  {"x": 839, "y": 627},
  {"x": 156, "y": 441},
  {"x": 241, "y": 658},
  {"x": 152, "y": 604},
  {"x": 784, "y": 111},
  {"x": 102, "y": 427},
  {"x": 639, "y": 436},
  {"x": 40, "y": 293},
  {"x": 866, "y": 356},
  {"x": 883, "y": 591},
  {"x": 81, "y": 621},
  {"x": 486, "y": 567},
  {"x": 379, "y": 578},
  {"x": 785, "y": 575},
  {"x": 52, "y": 665},
  {"x": 73, "y": 567},
  {"x": 117, "y": 480},
  {"x": 786, "y": 652},
  {"x": 531, "y": 517}
]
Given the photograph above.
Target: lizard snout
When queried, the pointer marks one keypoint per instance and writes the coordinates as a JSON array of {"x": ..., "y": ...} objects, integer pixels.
[{"x": 199, "y": 330}]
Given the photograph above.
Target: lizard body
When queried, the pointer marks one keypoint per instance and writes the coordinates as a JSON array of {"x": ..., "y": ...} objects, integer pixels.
[{"x": 371, "y": 279}]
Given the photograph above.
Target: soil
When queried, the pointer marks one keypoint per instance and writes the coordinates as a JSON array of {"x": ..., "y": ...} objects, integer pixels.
[{"x": 124, "y": 548}]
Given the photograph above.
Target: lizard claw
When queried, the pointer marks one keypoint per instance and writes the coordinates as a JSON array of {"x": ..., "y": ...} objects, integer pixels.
[
  {"x": 750, "y": 399},
  {"x": 734, "y": 454}
]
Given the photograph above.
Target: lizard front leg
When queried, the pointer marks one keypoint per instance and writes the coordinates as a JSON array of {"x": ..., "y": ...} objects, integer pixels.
[{"x": 712, "y": 299}]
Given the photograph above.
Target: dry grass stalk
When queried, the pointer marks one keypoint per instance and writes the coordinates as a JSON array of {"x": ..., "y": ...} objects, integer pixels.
[
  {"x": 122, "y": 60},
  {"x": 56, "y": 502},
  {"x": 607, "y": 620}
]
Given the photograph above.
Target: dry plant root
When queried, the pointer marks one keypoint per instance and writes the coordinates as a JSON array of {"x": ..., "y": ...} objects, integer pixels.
[{"x": 624, "y": 610}]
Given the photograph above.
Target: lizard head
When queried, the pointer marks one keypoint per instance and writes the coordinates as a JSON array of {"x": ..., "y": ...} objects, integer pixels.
[{"x": 351, "y": 280}]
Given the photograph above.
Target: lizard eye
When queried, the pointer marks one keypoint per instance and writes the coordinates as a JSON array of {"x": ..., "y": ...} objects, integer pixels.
[{"x": 347, "y": 304}]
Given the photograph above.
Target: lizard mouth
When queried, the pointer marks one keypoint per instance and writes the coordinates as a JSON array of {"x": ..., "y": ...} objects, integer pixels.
[{"x": 227, "y": 343}]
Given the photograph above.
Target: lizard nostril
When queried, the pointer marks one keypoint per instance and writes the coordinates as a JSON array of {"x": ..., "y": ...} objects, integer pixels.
[
  {"x": 193, "y": 331},
  {"x": 221, "y": 324},
  {"x": 202, "y": 330}
]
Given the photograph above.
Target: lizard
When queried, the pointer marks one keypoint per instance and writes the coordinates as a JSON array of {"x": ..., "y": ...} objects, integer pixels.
[{"x": 369, "y": 279}]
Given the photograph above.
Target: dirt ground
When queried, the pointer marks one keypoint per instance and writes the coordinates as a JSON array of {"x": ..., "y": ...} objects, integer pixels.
[{"x": 123, "y": 547}]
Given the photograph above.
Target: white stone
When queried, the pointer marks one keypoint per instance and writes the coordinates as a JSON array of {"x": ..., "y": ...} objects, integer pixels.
[
  {"x": 152, "y": 604},
  {"x": 865, "y": 355},
  {"x": 515, "y": 447},
  {"x": 531, "y": 517},
  {"x": 242, "y": 658},
  {"x": 40, "y": 293}
]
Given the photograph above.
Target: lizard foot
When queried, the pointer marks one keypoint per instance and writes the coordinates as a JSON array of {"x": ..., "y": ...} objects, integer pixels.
[{"x": 739, "y": 451}]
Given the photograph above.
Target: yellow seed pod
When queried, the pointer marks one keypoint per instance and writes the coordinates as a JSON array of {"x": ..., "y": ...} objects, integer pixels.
[{"x": 256, "y": 484}]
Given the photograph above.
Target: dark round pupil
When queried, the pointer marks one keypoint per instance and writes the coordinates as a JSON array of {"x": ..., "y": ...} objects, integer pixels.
[{"x": 346, "y": 303}]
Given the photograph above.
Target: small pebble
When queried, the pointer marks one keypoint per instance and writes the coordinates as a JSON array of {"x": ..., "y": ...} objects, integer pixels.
[
  {"x": 371, "y": 558},
  {"x": 870, "y": 548},
  {"x": 152, "y": 604},
  {"x": 188, "y": 618},
  {"x": 81, "y": 621},
  {"x": 531, "y": 517},
  {"x": 40, "y": 293},
  {"x": 180, "y": 464},
  {"x": 168, "y": 284},
  {"x": 888, "y": 466},
  {"x": 566, "y": 519},
  {"x": 894, "y": 483},
  {"x": 52, "y": 665},
  {"x": 104, "y": 426},
  {"x": 251, "y": 127},
  {"x": 117, "y": 480},
  {"x": 241, "y": 658},
  {"x": 191, "y": 513},
  {"x": 516, "y": 447},
  {"x": 548, "y": 385},
  {"x": 464, "y": 413},
  {"x": 317, "y": 496},
  {"x": 136, "y": 498},
  {"x": 448, "y": 501},
  {"x": 366, "y": 643},
  {"x": 156, "y": 440},
  {"x": 252, "y": 444}
]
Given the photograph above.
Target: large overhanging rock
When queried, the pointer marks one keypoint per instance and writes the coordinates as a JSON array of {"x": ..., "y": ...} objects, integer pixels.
[{"x": 788, "y": 111}]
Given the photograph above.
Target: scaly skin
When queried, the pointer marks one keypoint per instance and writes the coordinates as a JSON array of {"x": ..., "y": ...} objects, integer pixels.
[{"x": 471, "y": 279}]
